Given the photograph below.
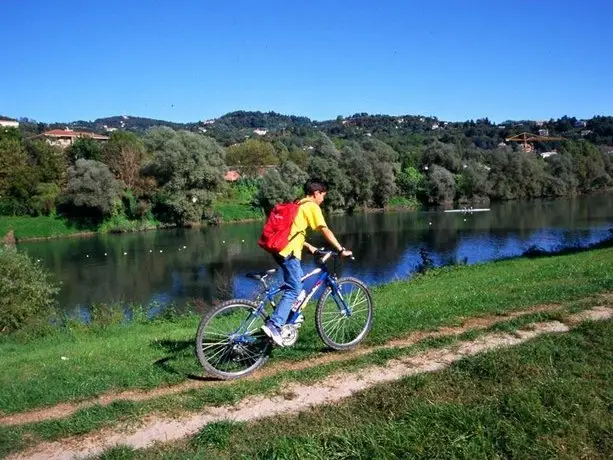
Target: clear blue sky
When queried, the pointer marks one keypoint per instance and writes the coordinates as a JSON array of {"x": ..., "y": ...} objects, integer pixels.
[{"x": 193, "y": 60}]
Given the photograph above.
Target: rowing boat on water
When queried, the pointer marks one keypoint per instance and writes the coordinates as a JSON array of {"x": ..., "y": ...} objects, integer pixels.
[{"x": 468, "y": 210}]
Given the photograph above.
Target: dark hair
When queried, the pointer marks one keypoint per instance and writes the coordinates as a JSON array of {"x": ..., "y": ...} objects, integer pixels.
[{"x": 313, "y": 186}]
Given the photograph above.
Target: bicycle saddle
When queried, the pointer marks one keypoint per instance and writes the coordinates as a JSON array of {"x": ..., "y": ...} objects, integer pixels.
[{"x": 260, "y": 275}]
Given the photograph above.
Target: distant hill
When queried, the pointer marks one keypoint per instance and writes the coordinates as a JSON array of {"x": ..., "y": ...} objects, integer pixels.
[{"x": 396, "y": 130}]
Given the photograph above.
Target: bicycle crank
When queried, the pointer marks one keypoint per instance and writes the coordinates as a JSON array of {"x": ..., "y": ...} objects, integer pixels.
[{"x": 289, "y": 335}]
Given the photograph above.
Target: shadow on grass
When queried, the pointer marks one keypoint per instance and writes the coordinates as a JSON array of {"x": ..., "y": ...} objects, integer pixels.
[{"x": 181, "y": 359}]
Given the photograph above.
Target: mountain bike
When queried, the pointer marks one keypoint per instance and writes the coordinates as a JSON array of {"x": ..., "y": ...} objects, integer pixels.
[{"x": 230, "y": 343}]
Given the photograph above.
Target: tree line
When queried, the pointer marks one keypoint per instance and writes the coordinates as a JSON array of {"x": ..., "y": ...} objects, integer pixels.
[{"x": 176, "y": 176}]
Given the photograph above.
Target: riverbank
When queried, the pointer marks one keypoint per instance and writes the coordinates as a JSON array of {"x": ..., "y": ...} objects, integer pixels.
[
  {"x": 127, "y": 371},
  {"x": 27, "y": 228}
]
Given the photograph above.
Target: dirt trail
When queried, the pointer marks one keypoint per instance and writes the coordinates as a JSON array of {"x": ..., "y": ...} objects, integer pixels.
[
  {"x": 67, "y": 409},
  {"x": 333, "y": 388}
]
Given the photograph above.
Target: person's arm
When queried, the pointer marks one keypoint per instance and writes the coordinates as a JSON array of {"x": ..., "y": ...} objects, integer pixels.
[
  {"x": 310, "y": 247},
  {"x": 327, "y": 233}
]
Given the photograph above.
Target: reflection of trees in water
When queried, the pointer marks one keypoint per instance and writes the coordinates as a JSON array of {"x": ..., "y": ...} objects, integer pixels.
[{"x": 214, "y": 256}]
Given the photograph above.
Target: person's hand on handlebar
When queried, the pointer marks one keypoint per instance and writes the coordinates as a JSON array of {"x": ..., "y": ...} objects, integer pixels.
[{"x": 312, "y": 249}]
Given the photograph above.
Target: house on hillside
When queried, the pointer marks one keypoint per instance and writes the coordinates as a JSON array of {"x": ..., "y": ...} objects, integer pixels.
[
  {"x": 232, "y": 175},
  {"x": 7, "y": 122},
  {"x": 66, "y": 137}
]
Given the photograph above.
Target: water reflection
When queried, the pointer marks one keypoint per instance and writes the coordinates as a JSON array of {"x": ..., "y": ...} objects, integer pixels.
[{"x": 174, "y": 265}]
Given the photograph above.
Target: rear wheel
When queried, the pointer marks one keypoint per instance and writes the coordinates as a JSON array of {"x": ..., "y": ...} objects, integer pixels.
[
  {"x": 344, "y": 318},
  {"x": 229, "y": 342}
]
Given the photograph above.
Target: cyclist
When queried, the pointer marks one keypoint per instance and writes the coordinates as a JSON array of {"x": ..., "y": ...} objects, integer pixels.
[{"x": 309, "y": 216}]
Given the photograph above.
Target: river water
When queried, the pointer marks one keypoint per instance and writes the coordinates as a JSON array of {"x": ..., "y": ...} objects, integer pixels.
[{"x": 170, "y": 266}]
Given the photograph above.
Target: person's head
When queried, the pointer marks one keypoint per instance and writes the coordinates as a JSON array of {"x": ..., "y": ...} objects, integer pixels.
[{"x": 316, "y": 189}]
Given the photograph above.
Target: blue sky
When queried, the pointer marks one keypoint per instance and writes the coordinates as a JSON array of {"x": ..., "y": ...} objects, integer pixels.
[{"x": 193, "y": 60}]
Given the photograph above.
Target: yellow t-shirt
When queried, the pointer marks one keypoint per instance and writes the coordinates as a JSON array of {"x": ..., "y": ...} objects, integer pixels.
[{"x": 309, "y": 216}]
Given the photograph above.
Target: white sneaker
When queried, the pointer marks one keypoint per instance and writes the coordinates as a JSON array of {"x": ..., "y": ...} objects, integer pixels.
[{"x": 273, "y": 332}]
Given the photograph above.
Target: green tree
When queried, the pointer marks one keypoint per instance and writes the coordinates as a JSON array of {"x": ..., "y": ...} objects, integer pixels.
[
  {"x": 124, "y": 154},
  {"x": 84, "y": 148},
  {"x": 383, "y": 152},
  {"x": 45, "y": 196},
  {"x": 472, "y": 181},
  {"x": 49, "y": 162},
  {"x": 360, "y": 174},
  {"x": 272, "y": 190},
  {"x": 293, "y": 175},
  {"x": 385, "y": 183},
  {"x": 324, "y": 164},
  {"x": 252, "y": 155},
  {"x": 16, "y": 177},
  {"x": 440, "y": 154},
  {"x": 189, "y": 169},
  {"x": 440, "y": 185},
  {"x": 298, "y": 156},
  {"x": 92, "y": 190},
  {"x": 411, "y": 183},
  {"x": 381, "y": 157},
  {"x": 27, "y": 296},
  {"x": 588, "y": 165}
]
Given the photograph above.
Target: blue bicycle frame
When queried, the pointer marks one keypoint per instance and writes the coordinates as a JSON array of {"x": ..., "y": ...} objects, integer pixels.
[{"x": 325, "y": 277}]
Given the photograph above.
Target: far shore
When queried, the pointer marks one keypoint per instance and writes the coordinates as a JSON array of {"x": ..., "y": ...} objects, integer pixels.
[{"x": 49, "y": 222}]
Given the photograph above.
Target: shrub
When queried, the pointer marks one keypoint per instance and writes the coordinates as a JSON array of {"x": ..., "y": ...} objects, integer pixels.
[
  {"x": 27, "y": 296},
  {"x": 92, "y": 189}
]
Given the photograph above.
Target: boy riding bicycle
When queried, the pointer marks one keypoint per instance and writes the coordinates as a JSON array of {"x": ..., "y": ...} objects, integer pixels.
[{"x": 309, "y": 215}]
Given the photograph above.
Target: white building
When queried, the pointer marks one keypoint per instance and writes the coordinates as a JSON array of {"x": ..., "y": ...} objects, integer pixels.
[
  {"x": 7, "y": 122},
  {"x": 66, "y": 137}
]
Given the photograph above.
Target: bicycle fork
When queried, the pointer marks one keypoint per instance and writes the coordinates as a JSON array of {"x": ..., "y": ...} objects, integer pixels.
[{"x": 337, "y": 295}]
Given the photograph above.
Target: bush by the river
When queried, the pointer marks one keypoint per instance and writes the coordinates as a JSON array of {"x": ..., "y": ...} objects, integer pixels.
[{"x": 27, "y": 295}]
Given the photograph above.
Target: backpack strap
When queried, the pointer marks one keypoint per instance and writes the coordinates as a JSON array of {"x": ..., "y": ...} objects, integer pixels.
[{"x": 299, "y": 202}]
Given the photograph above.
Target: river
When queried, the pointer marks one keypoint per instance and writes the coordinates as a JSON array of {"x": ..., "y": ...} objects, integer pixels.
[{"x": 171, "y": 266}]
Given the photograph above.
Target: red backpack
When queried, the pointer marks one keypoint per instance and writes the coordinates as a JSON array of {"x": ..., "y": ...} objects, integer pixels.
[{"x": 275, "y": 234}]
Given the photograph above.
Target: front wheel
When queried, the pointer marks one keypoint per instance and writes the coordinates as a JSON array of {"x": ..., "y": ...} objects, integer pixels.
[
  {"x": 229, "y": 342},
  {"x": 344, "y": 315}
]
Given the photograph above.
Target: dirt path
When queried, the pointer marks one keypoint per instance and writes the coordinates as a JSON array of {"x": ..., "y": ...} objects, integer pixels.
[
  {"x": 331, "y": 389},
  {"x": 67, "y": 409}
]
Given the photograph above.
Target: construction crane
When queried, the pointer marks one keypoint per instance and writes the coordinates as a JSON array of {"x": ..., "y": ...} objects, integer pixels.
[{"x": 525, "y": 138}]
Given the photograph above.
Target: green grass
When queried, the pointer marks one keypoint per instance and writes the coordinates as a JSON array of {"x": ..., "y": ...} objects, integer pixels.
[
  {"x": 548, "y": 398},
  {"x": 96, "y": 417},
  {"x": 121, "y": 224},
  {"x": 26, "y": 227},
  {"x": 231, "y": 212},
  {"x": 401, "y": 202},
  {"x": 39, "y": 227},
  {"x": 143, "y": 356}
]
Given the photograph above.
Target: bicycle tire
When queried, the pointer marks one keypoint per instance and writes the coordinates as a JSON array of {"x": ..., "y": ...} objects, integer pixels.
[
  {"x": 259, "y": 354},
  {"x": 337, "y": 323}
]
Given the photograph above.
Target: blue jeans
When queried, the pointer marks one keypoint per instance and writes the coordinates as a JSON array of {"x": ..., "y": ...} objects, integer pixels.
[{"x": 292, "y": 274}]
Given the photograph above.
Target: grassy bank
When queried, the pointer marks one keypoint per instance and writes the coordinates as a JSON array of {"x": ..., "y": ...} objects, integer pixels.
[
  {"x": 237, "y": 212},
  {"x": 25, "y": 227},
  {"x": 78, "y": 363},
  {"x": 549, "y": 398},
  {"x": 29, "y": 228},
  {"x": 41, "y": 227}
]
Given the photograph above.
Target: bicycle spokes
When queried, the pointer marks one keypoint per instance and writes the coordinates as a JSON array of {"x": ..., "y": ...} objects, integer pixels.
[
  {"x": 232, "y": 340},
  {"x": 345, "y": 314}
]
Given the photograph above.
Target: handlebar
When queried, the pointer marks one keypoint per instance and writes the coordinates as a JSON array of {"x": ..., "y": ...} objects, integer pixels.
[{"x": 325, "y": 254}]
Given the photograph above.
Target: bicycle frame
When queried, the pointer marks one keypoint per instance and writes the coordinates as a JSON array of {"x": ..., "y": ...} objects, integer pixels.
[{"x": 269, "y": 294}]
